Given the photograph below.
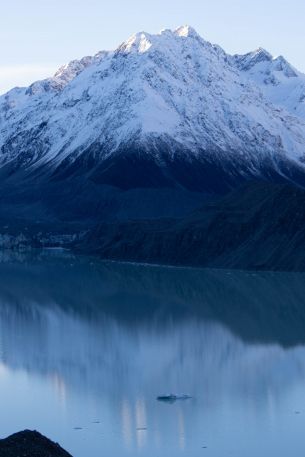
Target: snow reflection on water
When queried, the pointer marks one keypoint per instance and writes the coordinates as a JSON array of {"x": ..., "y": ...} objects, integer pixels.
[{"x": 86, "y": 350}]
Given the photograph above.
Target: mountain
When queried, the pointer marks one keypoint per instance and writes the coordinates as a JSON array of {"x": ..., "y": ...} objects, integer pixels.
[
  {"x": 149, "y": 129},
  {"x": 257, "y": 227},
  {"x": 280, "y": 82}
]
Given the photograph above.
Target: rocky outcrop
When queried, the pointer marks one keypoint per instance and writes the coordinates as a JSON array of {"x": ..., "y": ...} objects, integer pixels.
[{"x": 30, "y": 444}]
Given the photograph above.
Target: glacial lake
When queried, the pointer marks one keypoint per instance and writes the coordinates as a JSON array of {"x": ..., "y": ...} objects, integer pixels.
[{"x": 87, "y": 346}]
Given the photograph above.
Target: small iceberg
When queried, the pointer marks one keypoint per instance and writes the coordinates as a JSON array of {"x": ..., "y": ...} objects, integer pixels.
[{"x": 171, "y": 398}]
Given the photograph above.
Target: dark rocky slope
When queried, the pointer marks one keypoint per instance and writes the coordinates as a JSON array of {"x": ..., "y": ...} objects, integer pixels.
[
  {"x": 131, "y": 185},
  {"x": 261, "y": 226},
  {"x": 30, "y": 444}
]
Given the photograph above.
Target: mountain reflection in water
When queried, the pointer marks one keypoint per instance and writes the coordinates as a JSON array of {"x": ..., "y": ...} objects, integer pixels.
[{"x": 86, "y": 347}]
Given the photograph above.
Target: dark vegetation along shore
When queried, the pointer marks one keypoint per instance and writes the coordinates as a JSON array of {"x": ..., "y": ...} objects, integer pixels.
[{"x": 30, "y": 444}]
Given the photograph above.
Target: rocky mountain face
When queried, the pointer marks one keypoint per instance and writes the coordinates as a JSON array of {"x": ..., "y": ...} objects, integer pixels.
[
  {"x": 167, "y": 111},
  {"x": 280, "y": 82}
]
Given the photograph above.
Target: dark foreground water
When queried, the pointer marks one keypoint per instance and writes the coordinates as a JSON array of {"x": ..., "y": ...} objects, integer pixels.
[{"x": 86, "y": 347}]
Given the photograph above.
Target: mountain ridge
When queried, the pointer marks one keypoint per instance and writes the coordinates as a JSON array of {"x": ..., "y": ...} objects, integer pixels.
[
  {"x": 165, "y": 111},
  {"x": 164, "y": 83}
]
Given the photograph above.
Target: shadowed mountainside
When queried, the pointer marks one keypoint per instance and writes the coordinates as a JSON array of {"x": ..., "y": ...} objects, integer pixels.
[{"x": 260, "y": 226}]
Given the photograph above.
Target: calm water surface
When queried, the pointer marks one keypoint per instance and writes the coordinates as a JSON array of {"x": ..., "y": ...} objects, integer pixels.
[{"x": 86, "y": 347}]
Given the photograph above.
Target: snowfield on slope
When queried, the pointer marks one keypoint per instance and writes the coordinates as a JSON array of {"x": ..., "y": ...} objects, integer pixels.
[{"x": 173, "y": 86}]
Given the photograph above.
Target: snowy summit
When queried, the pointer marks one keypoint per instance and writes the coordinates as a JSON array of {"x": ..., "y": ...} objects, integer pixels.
[{"x": 172, "y": 99}]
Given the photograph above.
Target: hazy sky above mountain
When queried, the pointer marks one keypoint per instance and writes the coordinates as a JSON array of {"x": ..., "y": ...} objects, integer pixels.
[{"x": 38, "y": 36}]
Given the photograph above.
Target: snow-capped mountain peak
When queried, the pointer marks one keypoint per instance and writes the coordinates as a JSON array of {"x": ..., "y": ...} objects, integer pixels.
[
  {"x": 261, "y": 61},
  {"x": 186, "y": 31},
  {"x": 167, "y": 96},
  {"x": 62, "y": 77},
  {"x": 281, "y": 83},
  {"x": 251, "y": 59},
  {"x": 139, "y": 42},
  {"x": 282, "y": 65}
]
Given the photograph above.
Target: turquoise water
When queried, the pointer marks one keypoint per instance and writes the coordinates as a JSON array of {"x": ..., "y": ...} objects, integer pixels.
[{"x": 86, "y": 347}]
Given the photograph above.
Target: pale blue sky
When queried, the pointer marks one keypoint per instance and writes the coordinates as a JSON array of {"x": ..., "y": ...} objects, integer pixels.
[{"x": 37, "y": 36}]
